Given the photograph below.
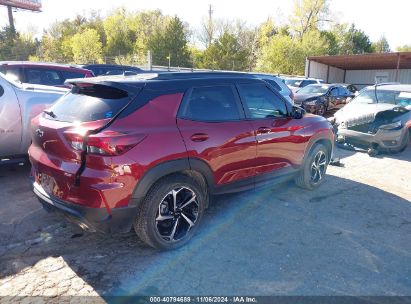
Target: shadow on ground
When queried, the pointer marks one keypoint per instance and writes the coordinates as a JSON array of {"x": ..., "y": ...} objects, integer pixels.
[{"x": 346, "y": 238}]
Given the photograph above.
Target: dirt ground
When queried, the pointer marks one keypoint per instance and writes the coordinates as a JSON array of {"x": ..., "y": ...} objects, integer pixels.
[{"x": 350, "y": 237}]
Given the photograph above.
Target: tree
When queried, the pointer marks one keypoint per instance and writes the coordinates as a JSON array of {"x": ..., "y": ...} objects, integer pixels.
[
  {"x": 308, "y": 16},
  {"x": 381, "y": 46},
  {"x": 144, "y": 25},
  {"x": 7, "y": 36},
  {"x": 404, "y": 48},
  {"x": 16, "y": 46},
  {"x": 352, "y": 40},
  {"x": 87, "y": 47},
  {"x": 332, "y": 41},
  {"x": 119, "y": 37},
  {"x": 286, "y": 55},
  {"x": 226, "y": 53},
  {"x": 170, "y": 44}
]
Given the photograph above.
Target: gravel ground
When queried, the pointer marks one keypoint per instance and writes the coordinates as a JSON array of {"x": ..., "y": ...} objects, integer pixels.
[{"x": 350, "y": 237}]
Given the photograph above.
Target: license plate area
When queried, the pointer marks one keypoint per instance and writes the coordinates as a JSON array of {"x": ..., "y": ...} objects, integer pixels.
[{"x": 46, "y": 182}]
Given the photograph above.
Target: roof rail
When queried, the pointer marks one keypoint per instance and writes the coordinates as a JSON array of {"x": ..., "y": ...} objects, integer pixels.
[
  {"x": 385, "y": 83},
  {"x": 189, "y": 75}
]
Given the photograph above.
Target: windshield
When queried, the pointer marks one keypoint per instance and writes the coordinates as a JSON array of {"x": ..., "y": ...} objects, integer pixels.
[
  {"x": 313, "y": 89},
  {"x": 292, "y": 82},
  {"x": 395, "y": 97}
]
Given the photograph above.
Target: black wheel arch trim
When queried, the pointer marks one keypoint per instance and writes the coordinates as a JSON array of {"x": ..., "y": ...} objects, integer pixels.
[
  {"x": 166, "y": 168},
  {"x": 318, "y": 139}
]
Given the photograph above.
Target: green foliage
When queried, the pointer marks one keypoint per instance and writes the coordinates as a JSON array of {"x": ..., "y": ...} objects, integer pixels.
[
  {"x": 286, "y": 55},
  {"x": 308, "y": 16},
  {"x": 125, "y": 37},
  {"x": 87, "y": 47},
  {"x": 352, "y": 40},
  {"x": 144, "y": 25},
  {"x": 381, "y": 46},
  {"x": 15, "y": 46},
  {"x": 170, "y": 44},
  {"x": 404, "y": 48},
  {"x": 332, "y": 41},
  {"x": 118, "y": 34},
  {"x": 226, "y": 53}
]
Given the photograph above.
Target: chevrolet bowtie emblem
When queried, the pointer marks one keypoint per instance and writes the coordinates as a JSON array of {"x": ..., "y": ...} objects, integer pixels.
[{"x": 39, "y": 133}]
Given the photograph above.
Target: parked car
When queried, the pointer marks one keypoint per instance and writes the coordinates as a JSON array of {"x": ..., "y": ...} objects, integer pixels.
[
  {"x": 112, "y": 69},
  {"x": 278, "y": 84},
  {"x": 319, "y": 98},
  {"x": 19, "y": 103},
  {"x": 50, "y": 74},
  {"x": 378, "y": 119},
  {"x": 296, "y": 83},
  {"x": 121, "y": 152},
  {"x": 351, "y": 88}
]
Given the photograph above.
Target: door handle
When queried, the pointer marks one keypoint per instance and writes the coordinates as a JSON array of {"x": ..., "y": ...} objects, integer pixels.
[
  {"x": 263, "y": 130},
  {"x": 198, "y": 137}
]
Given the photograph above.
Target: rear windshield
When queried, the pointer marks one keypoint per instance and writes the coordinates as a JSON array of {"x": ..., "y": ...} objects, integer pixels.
[{"x": 93, "y": 102}]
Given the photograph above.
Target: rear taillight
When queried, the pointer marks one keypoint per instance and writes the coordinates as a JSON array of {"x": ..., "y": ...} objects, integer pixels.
[{"x": 104, "y": 143}]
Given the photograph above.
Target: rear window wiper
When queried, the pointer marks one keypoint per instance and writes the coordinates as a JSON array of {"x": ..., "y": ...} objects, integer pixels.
[{"x": 50, "y": 113}]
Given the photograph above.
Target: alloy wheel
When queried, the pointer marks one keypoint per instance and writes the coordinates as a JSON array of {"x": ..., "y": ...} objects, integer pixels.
[
  {"x": 318, "y": 167},
  {"x": 177, "y": 214}
]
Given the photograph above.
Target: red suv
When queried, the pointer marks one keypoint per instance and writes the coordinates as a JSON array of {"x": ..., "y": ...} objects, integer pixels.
[
  {"x": 120, "y": 152},
  {"x": 50, "y": 74}
]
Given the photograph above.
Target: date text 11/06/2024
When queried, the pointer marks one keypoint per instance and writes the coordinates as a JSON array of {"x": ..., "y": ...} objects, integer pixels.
[{"x": 203, "y": 300}]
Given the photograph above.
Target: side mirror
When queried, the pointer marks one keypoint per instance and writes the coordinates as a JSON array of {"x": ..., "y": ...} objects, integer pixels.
[
  {"x": 297, "y": 112},
  {"x": 1, "y": 91}
]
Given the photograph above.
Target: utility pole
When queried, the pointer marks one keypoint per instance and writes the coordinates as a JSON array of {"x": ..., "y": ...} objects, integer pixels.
[
  {"x": 210, "y": 29},
  {"x": 11, "y": 20}
]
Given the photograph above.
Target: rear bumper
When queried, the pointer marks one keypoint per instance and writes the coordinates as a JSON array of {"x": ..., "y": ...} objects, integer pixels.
[{"x": 90, "y": 219}]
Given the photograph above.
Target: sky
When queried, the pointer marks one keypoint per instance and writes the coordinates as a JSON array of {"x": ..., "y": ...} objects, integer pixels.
[{"x": 374, "y": 17}]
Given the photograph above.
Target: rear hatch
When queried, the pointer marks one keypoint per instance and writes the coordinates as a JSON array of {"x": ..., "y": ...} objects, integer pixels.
[{"x": 61, "y": 135}]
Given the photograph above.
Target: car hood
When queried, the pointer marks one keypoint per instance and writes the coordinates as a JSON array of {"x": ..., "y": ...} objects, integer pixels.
[
  {"x": 360, "y": 113},
  {"x": 299, "y": 98}
]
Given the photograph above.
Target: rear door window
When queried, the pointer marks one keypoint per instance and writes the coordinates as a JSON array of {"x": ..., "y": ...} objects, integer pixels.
[
  {"x": 342, "y": 91},
  {"x": 43, "y": 76},
  {"x": 213, "y": 103},
  {"x": 260, "y": 102},
  {"x": 90, "y": 103},
  {"x": 334, "y": 92}
]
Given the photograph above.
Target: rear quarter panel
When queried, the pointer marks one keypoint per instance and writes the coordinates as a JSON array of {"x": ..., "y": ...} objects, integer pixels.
[{"x": 156, "y": 123}]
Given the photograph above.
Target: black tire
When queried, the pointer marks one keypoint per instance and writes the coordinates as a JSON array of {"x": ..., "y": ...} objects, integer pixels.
[
  {"x": 305, "y": 179},
  {"x": 321, "y": 109},
  {"x": 147, "y": 224}
]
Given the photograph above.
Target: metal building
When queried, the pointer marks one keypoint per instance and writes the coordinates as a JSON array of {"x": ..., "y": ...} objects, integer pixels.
[{"x": 361, "y": 70}]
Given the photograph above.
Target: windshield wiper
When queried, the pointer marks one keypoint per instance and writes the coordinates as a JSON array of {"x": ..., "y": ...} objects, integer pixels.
[{"x": 50, "y": 113}]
